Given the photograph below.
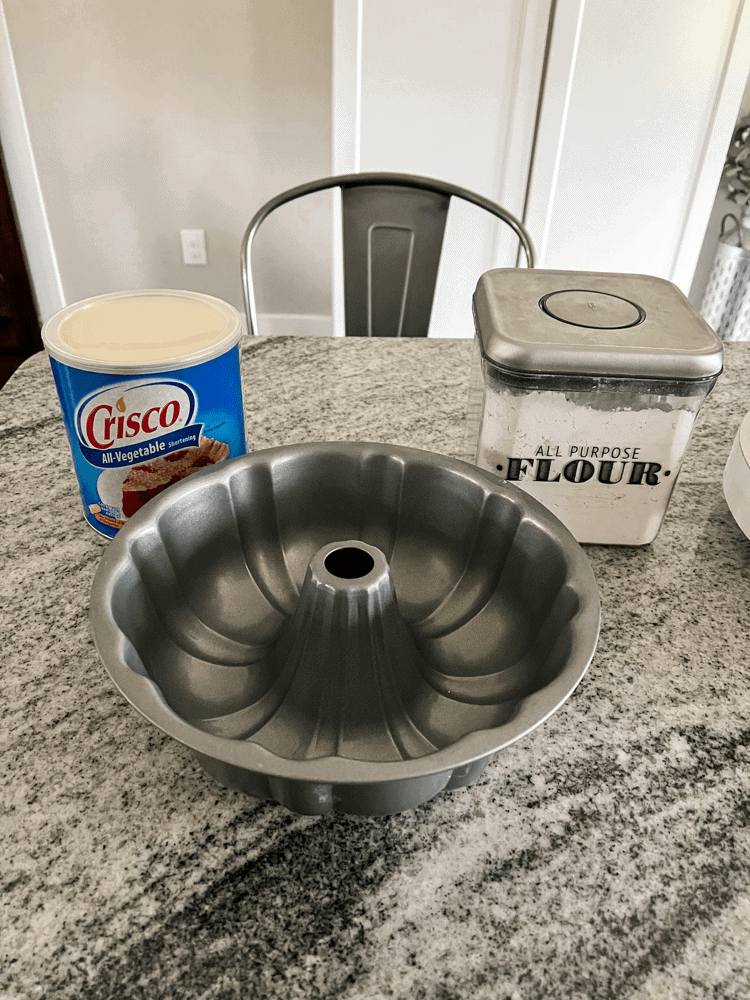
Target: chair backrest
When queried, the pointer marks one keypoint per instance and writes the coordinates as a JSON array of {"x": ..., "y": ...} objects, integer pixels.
[{"x": 393, "y": 227}]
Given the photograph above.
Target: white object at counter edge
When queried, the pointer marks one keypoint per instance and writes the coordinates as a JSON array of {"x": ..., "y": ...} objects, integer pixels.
[{"x": 737, "y": 477}]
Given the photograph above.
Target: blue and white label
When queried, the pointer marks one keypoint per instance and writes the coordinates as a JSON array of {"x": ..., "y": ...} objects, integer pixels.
[{"x": 130, "y": 439}]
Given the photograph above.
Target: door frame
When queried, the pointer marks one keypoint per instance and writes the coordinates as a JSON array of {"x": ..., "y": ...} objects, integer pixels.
[
  {"x": 26, "y": 190},
  {"x": 708, "y": 170}
]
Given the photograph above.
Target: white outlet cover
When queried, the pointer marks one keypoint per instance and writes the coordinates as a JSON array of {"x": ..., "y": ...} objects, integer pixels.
[{"x": 193, "y": 242}]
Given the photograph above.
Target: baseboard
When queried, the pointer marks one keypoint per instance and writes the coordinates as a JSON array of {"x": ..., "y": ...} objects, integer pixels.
[{"x": 294, "y": 325}]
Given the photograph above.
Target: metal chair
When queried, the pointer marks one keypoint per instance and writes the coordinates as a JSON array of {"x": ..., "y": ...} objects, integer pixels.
[{"x": 393, "y": 226}]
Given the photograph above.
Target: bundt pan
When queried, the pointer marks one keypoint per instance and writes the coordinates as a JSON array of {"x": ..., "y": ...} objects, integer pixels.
[{"x": 345, "y": 626}]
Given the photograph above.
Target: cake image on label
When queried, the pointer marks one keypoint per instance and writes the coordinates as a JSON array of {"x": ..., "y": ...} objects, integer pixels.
[{"x": 144, "y": 482}]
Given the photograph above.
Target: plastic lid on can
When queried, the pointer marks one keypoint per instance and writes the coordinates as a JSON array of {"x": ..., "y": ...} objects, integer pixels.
[
  {"x": 589, "y": 323},
  {"x": 142, "y": 331}
]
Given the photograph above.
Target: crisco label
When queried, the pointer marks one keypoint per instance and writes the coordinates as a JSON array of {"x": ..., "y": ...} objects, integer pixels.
[
  {"x": 131, "y": 439},
  {"x": 123, "y": 424}
]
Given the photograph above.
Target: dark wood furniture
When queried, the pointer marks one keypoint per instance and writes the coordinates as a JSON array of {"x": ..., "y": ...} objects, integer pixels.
[{"x": 20, "y": 335}]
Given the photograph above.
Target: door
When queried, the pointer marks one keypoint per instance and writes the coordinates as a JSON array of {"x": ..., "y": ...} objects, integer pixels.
[
  {"x": 639, "y": 106},
  {"x": 449, "y": 91}
]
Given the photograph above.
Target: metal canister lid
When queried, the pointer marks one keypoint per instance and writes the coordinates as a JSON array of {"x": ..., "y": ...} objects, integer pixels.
[{"x": 591, "y": 323}]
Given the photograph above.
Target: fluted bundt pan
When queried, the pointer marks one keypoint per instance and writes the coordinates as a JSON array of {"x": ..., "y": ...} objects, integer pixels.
[{"x": 345, "y": 626}]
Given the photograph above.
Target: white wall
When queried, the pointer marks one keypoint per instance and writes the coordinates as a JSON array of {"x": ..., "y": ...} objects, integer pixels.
[{"x": 146, "y": 118}]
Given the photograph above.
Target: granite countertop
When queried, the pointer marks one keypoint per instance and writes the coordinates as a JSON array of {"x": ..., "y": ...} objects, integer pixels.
[{"x": 606, "y": 855}]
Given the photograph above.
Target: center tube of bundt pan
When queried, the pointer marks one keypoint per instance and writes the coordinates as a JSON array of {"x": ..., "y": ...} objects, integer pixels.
[{"x": 354, "y": 663}]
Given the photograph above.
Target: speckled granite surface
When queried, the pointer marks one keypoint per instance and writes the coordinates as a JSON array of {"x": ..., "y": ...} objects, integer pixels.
[{"x": 607, "y": 855}]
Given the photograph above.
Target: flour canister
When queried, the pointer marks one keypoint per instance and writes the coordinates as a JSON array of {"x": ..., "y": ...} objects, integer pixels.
[
  {"x": 149, "y": 385},
  {"x": 585, "y": 391}
]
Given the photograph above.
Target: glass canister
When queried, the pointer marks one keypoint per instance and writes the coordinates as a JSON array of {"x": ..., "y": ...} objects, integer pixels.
[{"x": 585, "y": 390}]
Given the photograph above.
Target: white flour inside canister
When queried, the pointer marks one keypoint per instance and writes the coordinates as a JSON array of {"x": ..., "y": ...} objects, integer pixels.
[{"x": 606, "y": 469}]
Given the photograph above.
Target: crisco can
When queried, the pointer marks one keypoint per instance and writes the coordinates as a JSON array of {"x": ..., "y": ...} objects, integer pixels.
[{"x": 150, "y": 391}]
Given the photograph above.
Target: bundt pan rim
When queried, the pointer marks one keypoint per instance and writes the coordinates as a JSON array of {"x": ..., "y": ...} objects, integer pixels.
[{"x": 344, "y": 778}]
